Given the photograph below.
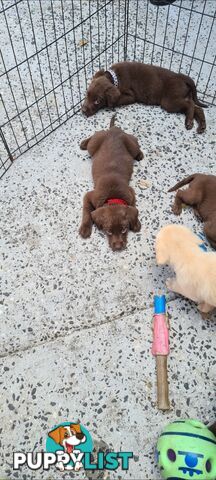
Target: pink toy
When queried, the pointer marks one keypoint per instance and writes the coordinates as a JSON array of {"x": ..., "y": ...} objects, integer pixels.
[{"x": 160, "y": 348}]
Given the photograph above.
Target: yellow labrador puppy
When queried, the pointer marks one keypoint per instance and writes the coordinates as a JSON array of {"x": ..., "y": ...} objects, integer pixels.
[{"x": 194, "y": 267}]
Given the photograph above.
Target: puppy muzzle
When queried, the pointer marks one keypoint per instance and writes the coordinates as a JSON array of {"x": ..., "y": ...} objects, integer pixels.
[
  {"x": 87, "y": 111},
  {"x": 118, "y": 245}
]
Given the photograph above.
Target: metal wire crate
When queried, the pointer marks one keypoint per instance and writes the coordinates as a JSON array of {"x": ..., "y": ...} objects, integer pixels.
[{"x": 50, "y": 49}]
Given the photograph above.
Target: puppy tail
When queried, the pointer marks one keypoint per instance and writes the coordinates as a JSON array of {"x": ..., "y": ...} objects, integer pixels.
[
  {"x": 112, "y": 121},
  {"x": 182, "y": 183},
  {"x": 192, "y": 86}
]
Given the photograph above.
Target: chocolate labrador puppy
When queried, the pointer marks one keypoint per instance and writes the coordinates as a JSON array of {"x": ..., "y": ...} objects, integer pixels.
[
  {"x": 111, "y": 205},
  {"x": 130, "y": 82},
  {"x": 201, "y": 195}
]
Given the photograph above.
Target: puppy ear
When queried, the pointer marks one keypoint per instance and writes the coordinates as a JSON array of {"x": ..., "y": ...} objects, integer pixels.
[
  {"x": 134, "y": 223},
  {"x": 55, "y": 435},
  {"x": 98, "y": 217},
  {"x": 99, "y": 73},
  {"x": 75, "y": 427},
  {"x": 112, "y": 96}
]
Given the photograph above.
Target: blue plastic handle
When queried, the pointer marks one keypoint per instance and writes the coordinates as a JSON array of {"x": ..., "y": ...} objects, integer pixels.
[{"x": 159, "y": 304}]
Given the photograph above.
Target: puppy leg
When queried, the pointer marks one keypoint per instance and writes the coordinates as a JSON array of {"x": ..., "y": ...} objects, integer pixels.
[
  {"x": 174, "y": 105},
  {"x": 133, "y": 147},
  {"x": 189, "y": 196},
  {"x": 210, "y": 232},
  {"x": 78, "y": 466},
  {"x": 205, "y": 308},
  {"x": 86, "y": 225},
  {"x": 93, "y": 143},
  {"x": 177, "y": 206},
  {"x": 132, "y": 198},
  {"x": 189, "y": 113},
  {"x": 60, "y": 466},
  {"x": 133, "y": 220},
  {"x": 126, "y": 98},
  {"x": 173, "y": 285},
  {"x": 200, "y": 118},
  {"x": 139, "y": 156},
  {"x": 84, "y": 143}
]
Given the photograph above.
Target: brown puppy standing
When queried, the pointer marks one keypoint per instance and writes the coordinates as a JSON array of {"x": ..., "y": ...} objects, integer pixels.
[
  {"x": 201, "y": 195},
  {"x": 130, "y": 82},
  {"x": 111, "y": 205}
]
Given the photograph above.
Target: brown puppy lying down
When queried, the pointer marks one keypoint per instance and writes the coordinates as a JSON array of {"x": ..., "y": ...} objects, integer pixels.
[
  {"x": 111, "y": 205},
  {"x": 201, "y": 195},
  {"x": 130, "y": 82}
]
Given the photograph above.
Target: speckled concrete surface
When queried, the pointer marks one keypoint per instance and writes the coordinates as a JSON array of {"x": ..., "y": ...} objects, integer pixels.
[
  {"x": 105, "y": 376},
  {"x": 76, "y": 318}
]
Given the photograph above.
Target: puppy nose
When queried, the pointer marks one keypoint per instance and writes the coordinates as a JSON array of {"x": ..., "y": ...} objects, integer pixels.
[
  {"x": 117, "y": 246},
  {"x": 86, "y": 111},
  {"x": 80, "y": 436}
]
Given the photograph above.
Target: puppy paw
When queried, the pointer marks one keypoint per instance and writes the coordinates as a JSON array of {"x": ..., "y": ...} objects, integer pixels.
[
  {"x": 78, "y": 466},
  {"x": 189, "y": 124},
  {"x": 201, "y": 128},
  {"x": 137, "y": 226},
  {"x": 85, "y": 230},
  {"x": 169, "y": 283},
  {"x": 83, "y": 144},
  {"x": 177, "y": 209},
  {"x": 205, "y": 308},
  {"x": 140, "y": 156}
]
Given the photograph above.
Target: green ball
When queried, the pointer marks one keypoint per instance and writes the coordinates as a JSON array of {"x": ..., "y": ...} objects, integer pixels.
[{"x": 186, "y": 450}]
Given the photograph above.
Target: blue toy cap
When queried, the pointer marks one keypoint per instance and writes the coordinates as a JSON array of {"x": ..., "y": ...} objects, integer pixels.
[{"x": 159, "y": 304}]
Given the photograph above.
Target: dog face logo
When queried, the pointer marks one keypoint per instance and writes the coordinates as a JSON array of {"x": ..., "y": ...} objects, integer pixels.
[
  {"x": 70, "y": 440},
  {"x": 68, "y": 436}
]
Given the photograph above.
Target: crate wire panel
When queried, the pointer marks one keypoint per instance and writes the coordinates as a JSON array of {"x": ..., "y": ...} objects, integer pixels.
[
  {"x": 50, "y": 50},
  {"x": 180, "y": 37}
]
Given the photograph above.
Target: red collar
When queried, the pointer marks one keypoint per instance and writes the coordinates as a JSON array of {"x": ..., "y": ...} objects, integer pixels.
[{"x": 116, "y": 201}]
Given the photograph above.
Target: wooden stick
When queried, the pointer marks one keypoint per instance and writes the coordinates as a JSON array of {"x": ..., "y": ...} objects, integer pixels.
[{"x": 162, "y": 383}]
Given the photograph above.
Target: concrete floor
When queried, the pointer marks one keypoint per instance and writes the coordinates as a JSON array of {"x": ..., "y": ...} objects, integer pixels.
[{"x": 76, "y": 318}]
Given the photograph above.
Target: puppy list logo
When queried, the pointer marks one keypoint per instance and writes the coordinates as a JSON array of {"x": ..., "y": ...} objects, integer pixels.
[
  {"x": 69, "y": 441},
  {"x": 69, "y": 446}
]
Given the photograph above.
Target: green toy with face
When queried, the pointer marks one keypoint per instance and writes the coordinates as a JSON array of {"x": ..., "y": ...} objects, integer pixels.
[{"x": 186, "y": 450}]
